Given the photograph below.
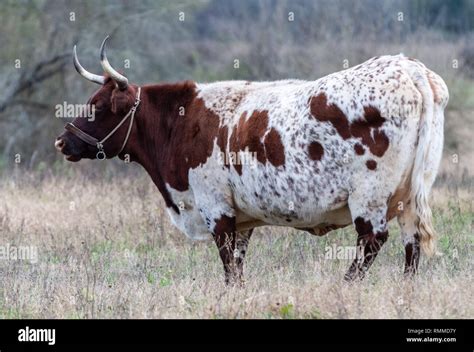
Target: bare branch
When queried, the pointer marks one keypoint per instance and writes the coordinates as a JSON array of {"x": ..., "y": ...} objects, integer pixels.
[{"x": 28, "y": 80}]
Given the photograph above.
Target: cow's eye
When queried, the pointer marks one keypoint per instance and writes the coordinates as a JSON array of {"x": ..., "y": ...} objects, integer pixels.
[{"x": 98, "y": 108}]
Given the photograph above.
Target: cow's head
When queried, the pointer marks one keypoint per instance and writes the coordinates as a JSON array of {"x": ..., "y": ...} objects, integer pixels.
[{"x": 106, "y": 108}]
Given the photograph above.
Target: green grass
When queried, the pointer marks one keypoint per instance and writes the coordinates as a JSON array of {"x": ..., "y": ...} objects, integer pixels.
[{"x": 461, "y": 93}]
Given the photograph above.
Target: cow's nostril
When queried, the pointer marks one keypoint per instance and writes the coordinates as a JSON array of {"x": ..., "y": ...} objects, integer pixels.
[{"x": 59, "y": 144}]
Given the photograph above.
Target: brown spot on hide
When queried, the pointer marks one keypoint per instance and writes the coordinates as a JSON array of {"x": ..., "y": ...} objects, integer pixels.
[
  {"x": 222, "y": 143},
  {"x": 330, "y": 113},
  {"x": 359, "y": 149},
  {"x": 371, "y": 164},
  {"x": 363, "y": 227},
  {"x": 249, "y": 135},
  {"x": 224, "y": 225},
  {"x": 367, "y": 128},
  {"x": 316, "y": 151},
  {"x": 274, "y": 149}
]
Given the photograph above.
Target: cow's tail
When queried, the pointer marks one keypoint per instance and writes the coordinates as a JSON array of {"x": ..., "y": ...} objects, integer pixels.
[{"x": 420, "y": 188}]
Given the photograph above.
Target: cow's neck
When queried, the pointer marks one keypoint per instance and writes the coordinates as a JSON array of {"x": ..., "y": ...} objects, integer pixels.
[{"x": 157, "y": 130}]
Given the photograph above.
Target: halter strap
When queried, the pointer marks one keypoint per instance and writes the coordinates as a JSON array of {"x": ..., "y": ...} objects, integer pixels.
[{"x": 87, "y": 138}]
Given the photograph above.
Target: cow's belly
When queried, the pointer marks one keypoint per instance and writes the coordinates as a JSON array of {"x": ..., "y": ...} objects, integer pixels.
[{"x": 307, "y": 205}]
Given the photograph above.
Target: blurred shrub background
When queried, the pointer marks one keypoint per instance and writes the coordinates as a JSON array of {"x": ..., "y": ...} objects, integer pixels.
[{"x": 272, "y": 40}]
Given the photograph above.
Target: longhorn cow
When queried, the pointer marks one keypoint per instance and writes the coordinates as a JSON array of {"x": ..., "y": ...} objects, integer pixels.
[{"x": 360, "y": 146}]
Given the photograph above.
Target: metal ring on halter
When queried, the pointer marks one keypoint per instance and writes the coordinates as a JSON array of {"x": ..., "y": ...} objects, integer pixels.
[{"x": 101, "y": 155}]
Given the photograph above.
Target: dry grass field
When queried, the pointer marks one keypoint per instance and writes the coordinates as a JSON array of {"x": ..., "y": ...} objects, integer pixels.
[{"x": 107, "y": 250}]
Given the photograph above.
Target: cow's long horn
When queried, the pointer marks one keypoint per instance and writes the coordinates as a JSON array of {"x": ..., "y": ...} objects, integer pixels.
[
  {"x": 86, "y": 74},
  {"x": 121, "y": 80}
]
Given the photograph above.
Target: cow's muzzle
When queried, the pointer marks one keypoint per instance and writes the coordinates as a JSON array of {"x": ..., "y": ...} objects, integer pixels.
[{"x": 60, "y": 145}]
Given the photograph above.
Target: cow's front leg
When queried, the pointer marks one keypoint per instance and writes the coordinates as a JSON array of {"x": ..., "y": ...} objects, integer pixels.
[
  {"x": 241, "y": 245},
  {"x": 225, "y": 238}
]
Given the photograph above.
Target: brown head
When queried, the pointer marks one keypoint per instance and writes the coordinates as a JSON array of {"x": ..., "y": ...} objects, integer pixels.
[{"x": 112, "y": 107}]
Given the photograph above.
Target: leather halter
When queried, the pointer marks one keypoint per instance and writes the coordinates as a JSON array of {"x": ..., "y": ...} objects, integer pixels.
[{"x": 87, "y": 138}]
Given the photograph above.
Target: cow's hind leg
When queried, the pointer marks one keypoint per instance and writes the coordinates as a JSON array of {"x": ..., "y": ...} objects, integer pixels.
[
  {"x": 370, "y": 220},
  {"x": 411, "y": 239}
]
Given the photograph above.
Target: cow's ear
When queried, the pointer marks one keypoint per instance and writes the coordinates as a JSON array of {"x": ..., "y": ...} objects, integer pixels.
[{"x": 121, "y": 101}]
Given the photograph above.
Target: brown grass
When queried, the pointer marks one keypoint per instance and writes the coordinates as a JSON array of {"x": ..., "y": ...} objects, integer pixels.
[{"x": 106, "y": 250}]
